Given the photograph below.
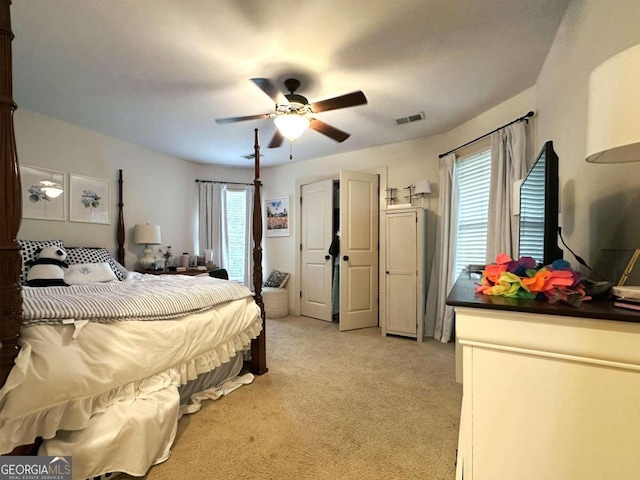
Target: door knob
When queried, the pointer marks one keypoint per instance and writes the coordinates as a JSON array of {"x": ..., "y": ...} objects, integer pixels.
[
  {"x": 327, "y": 257},
  {"x": 346, "y": 258}
]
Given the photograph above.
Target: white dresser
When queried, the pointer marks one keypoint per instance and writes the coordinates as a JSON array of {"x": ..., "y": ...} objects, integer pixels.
[{"x": 550, "y": 391}]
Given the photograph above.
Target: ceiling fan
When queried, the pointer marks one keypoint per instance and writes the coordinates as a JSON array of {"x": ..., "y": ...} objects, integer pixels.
[{"x": 293, "y": 116}]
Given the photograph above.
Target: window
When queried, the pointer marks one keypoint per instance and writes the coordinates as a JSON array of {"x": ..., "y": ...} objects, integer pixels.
[
  {"x": 236, "y": 208},
  {"x": 473, "y": 176},
  {"x": 225, "y": 226}
]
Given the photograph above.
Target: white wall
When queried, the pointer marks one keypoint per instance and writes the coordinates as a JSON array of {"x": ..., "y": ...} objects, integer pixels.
[
  {"x": 600, "y": 203},
  {"x": 158, "y": 188}
]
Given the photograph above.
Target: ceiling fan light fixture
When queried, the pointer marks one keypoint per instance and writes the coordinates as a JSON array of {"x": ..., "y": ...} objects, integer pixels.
[
  {"x": 294, "y": 116},
  {"x": 291, "y": 125}
]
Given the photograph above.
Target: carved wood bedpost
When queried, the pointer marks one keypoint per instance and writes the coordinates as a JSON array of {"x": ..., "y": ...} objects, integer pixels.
[
  {"x": 258, "y": 345},
  {"x": 10, "y": 207},
  {"x": 120, "y": 227}
]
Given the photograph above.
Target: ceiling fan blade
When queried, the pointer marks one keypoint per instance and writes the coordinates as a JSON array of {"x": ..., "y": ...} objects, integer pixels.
[
  {"x": 267, "y": 87},
  {"x": 328, "y": 130},
  {"x": 221, "y": 121},
  {"x": 276, "y": 140},
  {"x": 349, "y": 100}
]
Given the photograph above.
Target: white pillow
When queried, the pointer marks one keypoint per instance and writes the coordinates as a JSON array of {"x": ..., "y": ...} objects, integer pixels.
[{"x": 89, "y": 273}]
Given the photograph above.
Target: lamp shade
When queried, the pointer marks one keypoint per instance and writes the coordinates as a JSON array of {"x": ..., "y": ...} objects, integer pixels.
[
  {"x": 613, "y": 116},
  {"x": 146, "y": 234},
  {"x": 291, "y": 125},
  {"x": 423, "y": 187}
]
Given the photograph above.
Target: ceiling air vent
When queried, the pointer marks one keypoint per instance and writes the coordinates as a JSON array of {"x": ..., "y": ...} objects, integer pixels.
[{"x": 409, "y": 119}]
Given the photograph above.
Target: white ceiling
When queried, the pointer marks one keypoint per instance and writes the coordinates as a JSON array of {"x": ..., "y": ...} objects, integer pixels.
[{"x": 159, "y": 72}]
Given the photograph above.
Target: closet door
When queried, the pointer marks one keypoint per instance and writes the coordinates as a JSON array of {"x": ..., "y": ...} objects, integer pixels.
[{"x": 315, "y": 287}]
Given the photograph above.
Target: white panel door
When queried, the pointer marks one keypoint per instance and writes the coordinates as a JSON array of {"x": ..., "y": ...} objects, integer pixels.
[
  {"x": 315, "y": 278},
  {"x": 358, "y": 250}
]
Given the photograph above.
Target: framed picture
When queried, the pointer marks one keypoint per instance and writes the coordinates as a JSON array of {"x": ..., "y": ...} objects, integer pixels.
[
  {"x": 88, "y": 199},
  {"x": 278, "y": 217},
  {"x": 44, "y": 193}
]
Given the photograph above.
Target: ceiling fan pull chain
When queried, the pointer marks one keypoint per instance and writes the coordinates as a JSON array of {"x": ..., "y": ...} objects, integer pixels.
[{"x": 290, "y": 150}]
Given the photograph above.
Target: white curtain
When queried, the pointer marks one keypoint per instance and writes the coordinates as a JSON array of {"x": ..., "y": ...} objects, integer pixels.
[
  {"x": 248, "y": 239},
  {"x": 508, "y": 164},
  {"x": 440, "y": 319},
  {"x": 214, "y": 223}
]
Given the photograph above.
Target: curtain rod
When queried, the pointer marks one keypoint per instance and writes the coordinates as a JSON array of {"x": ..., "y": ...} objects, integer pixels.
[
  {"x": 228, "y": 183},
  {"x": 524, "y": 117}
]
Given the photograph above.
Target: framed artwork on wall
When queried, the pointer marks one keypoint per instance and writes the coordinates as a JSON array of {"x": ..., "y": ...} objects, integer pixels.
[
  {"x": 88, "y": 199},
  {"x": 278, "y": 217},
  {"x": 44, "y": 193}
]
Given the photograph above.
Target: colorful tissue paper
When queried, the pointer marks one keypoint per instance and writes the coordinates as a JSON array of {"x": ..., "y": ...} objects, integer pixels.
[{"x": 521, "y": 278}]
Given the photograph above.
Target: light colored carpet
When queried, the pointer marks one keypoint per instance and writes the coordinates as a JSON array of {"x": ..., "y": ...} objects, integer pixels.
[{"x": 334, "y": 405}]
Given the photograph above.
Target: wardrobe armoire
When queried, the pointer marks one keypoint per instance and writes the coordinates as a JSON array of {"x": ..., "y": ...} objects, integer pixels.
[{"x": 405, "y": 276}]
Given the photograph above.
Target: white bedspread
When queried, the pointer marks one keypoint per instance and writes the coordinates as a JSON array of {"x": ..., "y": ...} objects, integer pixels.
[{"x": 60, "y": 381}]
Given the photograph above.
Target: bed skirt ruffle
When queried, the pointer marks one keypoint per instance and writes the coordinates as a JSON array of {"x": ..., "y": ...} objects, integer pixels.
[
  {"x": 76, "y": 414},
  {"x": 132, "y": 437}
]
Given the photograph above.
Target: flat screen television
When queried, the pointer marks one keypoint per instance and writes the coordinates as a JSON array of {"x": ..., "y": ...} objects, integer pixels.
[{"x": 539, "y": 208}]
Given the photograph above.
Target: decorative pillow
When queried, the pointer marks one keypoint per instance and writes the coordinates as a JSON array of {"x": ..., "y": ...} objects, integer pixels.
[
  {"x": 48, "y": 269},
  {"x": 89, "y": 273},
  {"x": 77, "y": 255},
  {"x": 121, "y": 271},
  {"x": 28, "y": 252},
  {"x": 277, "y": 279}
]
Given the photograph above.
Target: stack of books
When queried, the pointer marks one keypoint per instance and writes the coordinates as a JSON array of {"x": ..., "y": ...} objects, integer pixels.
[
  {"x": 630, "y": 304},
  {"x": 626, "y": 297},
  {"x": 184, "y": 269}
]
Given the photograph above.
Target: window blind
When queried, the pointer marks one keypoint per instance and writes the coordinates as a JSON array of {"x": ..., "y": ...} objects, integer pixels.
[
  {"x": 473, "y": 175},
  {"x": 236, "y": 231},
  {"x": 532, "y": 205}
]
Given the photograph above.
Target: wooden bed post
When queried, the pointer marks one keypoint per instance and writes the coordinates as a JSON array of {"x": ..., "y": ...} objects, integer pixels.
[
  {"x": 120, "y": 227},
  {"x": 10, "y": 207},
  {"x": 258, "y": 345}
]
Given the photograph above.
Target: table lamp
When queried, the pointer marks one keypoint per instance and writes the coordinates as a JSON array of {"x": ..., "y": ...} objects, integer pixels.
[
  {"x": 613, "y": 114},
  {"x": 613, "y": 120},
  {"x": 146, "y": 235}
]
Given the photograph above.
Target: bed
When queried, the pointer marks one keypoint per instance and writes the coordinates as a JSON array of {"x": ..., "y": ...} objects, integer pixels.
[{"x": 103, "y": 371}]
